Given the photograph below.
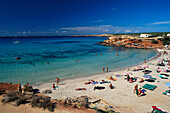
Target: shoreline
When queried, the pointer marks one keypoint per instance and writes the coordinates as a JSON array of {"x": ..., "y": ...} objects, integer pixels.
[
  {"x": 98, "y": 73},
  {"x": 121, "y": 98}
]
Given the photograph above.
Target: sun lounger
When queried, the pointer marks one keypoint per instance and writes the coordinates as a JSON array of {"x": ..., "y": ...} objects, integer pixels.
[
  {"x": 149, "y": 86},
  {"x": 163, "y": 77},
  {"x": 165, "y": 93},
  {"x": 168, "y": 91},
  {"x": 153, "y": 78}
]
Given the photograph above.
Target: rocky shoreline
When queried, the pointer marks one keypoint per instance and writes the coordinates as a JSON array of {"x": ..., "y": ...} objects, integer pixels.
[{"x": 134, "y": 42}]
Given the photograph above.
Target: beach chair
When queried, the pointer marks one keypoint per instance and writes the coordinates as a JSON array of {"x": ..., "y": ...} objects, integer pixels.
[
  {"x": 163, "y": 77},
  {"x": 168, "y": 91},
  {"x": 153, "y": 78},
  {"x": 165, "y": 93}
]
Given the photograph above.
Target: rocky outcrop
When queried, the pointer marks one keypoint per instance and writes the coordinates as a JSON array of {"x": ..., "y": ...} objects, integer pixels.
[
  {"x": 5, "y": 87},
  {"x": 133, "y": 42}
]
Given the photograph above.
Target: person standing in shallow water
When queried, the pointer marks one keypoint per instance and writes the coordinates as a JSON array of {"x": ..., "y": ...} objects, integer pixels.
[
  {"x": 103, "y": 69},
  {"x": 57, "y": 80},
  {"x": 107, "y": 69},
  {"x": 145, "y": 60}
]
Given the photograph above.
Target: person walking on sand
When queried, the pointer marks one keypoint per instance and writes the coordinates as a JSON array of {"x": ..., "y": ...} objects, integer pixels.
[
  {"x": 57, "y": 80},
  {"x": 103, "y": 69},
  {"x": 139, "y": 91},
  {"x": 107, "y": 69},
  {"x": 136, "y": 89}
]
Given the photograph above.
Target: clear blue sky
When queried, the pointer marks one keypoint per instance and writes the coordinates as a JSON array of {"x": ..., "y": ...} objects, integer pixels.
[{"x": 73, "y": 17}]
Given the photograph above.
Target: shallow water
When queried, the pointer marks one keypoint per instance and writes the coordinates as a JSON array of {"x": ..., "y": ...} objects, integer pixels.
[{"x": 61, "y": 53}]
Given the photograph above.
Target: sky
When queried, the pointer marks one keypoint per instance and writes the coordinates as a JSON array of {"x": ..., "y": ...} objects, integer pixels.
[{"x": 83, "y": 17}]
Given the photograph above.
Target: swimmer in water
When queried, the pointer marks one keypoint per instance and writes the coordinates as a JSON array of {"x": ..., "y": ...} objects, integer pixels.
[{"x": 117, "y": 54}]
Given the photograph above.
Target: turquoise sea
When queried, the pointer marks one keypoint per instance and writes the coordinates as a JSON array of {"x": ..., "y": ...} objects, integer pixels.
[{"x": 62, "y": 53}]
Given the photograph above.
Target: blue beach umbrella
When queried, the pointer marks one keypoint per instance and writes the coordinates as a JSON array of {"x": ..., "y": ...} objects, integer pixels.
[
  {"x": 167, "y": 84},
  {"x": 147, "y": 76}
]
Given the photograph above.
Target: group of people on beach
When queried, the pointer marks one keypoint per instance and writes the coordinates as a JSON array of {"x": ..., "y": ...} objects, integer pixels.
[
  {"x": 57, "y": 80},
  {"x": 139, "y": 91}
]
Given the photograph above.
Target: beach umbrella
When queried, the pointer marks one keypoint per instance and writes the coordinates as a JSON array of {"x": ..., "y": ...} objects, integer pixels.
[
  {"x": 159, "y": 109},
  {"x": 145, "y": 66},
  {"x": 167, "y": 57},
  {"x": 139, "y": 66},
  {"x": 167, "y": 84},
  {"x": 167, "y": 67},
  {"x": 158, "y": 60},
  {"x": 147, "y": 76},
  {"x": 128, "y": 73},
  {"x": 161, "y": 70}
]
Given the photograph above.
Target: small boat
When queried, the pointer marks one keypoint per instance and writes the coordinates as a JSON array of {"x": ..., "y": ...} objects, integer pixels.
[
  {"x": 16, "y": 41},
  {"x": 17, "y": 58}
]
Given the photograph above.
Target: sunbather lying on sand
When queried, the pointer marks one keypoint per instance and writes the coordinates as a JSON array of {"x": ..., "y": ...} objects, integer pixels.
[
  {"x": 78, "y": 89},
  {"x": 99, "y": 87},
  {"x": 141, "y": 80}
]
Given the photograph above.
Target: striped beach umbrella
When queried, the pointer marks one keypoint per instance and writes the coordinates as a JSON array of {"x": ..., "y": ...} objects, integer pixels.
[
  {"x": 161, "y": 70},
  {"x": 167, "y": 67},
  {"x": 158, "y": 60},
  {"x": 145, "y": 66},
  {"x": 128, "y": 73}
]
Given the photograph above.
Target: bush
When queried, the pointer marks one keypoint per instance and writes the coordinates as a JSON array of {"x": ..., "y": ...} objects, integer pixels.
[
  {"x": 154, "y": 41},
  {"x": 42, "y": 102},
  {"x": 47, "y": 91},
  {"x": 11, "y": 96},
  {"x": 14, "y": 96},
  {"x": 166, "y": 40},
  {"x": 21, "y": 100}
]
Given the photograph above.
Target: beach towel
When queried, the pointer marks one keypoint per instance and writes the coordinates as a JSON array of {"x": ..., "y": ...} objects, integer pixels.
[
  {"x": 99, "y": 87},
  {"x": 94, "y": 83},
  {"x": 118, "y": 75}
]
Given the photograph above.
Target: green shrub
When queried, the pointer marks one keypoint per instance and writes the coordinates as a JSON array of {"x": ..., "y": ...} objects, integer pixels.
[
  {"x": 21, "y": 100},
  {"x": 154, "y": 41},
  {"x": 166, "y": 40},
  {"x": 42, "y": 102},
  {"x": 11, "y": 96}
]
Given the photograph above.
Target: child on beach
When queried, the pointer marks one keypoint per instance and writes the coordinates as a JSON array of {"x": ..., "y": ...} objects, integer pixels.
[{"x": 54, "y": 87}]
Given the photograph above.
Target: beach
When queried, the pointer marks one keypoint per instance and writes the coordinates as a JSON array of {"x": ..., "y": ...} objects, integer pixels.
[{"x": 121, "y": 97}]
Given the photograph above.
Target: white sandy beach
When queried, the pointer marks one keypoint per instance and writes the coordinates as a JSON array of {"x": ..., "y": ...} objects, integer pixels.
[{"x": 121, "y": 97}]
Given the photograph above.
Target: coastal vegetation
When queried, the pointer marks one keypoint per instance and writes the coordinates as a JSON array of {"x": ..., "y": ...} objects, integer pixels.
[{"x": 166, "y": 40}]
